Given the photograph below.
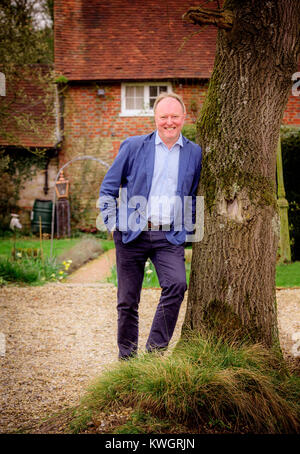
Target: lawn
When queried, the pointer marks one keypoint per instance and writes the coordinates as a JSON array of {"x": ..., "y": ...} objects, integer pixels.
[
  {"x": 59, "y": 246},
  {"x": 286, "y": 275},
  {"x": 32, "y": 263},
  {"x": 6, "y": 246}
]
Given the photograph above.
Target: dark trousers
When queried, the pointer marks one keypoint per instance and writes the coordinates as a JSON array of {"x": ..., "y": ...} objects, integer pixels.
[{"x": 168, "y": 260}]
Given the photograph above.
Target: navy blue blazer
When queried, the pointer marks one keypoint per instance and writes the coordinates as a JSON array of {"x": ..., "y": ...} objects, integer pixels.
[{"x": 133, "y": 169}]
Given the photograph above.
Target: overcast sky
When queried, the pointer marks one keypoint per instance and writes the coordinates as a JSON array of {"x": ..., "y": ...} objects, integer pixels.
[{"x": 41, "y": 17}]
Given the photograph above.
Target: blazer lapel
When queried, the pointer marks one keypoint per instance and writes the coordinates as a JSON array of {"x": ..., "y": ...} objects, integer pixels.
[
  {"x": 184, "y": 158},
  {"x": 149, "y": 157}
]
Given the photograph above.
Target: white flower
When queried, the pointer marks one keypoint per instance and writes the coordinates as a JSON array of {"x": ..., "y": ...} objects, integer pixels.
[{"x": 149, "y": 271}]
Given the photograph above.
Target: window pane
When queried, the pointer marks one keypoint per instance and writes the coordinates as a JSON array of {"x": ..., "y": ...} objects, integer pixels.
[
  {"x": 139, "y": 103},
  {"x": 162, "y": 89},
  {"x": 139, "y": 91},
  {"x": 134, "y": 97},
  {"x": 151, "y": 103},
  {"x": 129, "y": 104},
  {"x": 130, "y": 92},
  {"x": 153, "y": 91}
]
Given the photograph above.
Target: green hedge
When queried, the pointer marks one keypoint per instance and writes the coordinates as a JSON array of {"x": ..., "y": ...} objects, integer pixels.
[
  {"x": 290, "y": 144},
  {"x": 189, "y": 131}
]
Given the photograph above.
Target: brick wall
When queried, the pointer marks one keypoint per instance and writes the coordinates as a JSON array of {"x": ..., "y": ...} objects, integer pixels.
[
  {"x": 92, "y": 118},
  {"x": 292, "y": 111}
]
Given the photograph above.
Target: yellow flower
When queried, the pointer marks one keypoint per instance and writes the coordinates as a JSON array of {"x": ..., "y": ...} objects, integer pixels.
[{"x": 61, "y": 272}]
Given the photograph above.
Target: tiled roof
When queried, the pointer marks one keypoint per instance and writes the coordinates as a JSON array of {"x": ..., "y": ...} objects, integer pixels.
[
  {"x": 130, "y": 39},
  {"x": 31, "y": 118}
]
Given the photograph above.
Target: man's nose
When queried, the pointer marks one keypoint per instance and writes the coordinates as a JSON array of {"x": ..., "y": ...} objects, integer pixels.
[{"x": 169, "y": 120}]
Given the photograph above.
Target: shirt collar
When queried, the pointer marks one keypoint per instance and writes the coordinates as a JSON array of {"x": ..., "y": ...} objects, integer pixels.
[{"x": 159, "y": 140}]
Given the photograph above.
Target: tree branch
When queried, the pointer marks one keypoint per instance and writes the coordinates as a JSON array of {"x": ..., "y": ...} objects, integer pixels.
[{"x": 203, "y": 16}]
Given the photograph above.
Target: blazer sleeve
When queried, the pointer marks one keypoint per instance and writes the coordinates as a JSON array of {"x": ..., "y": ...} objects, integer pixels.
[{"x": 110, "y": 187}]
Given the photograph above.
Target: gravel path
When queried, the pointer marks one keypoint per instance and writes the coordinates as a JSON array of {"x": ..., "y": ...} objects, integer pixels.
[{"x": 58, "y": 337}]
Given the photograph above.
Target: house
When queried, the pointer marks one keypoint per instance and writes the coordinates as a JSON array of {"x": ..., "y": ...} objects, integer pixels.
[
  {"x": 112, "y": 59},
  {"x": 117, "y": 56}
]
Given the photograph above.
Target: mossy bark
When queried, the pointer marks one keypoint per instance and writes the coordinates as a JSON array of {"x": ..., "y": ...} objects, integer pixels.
[
  {"x": 232, "y": 283},
  {"x": 284, "y": 241}
]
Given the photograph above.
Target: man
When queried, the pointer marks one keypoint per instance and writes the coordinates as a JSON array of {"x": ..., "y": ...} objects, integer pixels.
[{"x": 156, "y": 172}]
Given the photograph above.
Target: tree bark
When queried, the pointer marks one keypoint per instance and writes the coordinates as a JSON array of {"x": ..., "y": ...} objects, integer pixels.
[{"x": 232, "y": 283}]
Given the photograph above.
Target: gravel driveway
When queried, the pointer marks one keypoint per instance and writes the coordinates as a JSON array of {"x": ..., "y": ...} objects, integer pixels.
[{"x": 56, "y": 338}]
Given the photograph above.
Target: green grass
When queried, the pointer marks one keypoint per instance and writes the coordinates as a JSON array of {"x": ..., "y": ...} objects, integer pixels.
[
  {"x": 107, "y": 245},
  {"x": 59, "y": 245},
  {"x": 36, "y": 270},
  {"x": 6, "y": 245},
  {"x": 204, "y": 384},
  {"x": 288, "y": 275}
]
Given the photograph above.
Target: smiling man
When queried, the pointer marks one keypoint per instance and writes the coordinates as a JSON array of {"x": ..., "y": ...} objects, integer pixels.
[
  {"x": 166, "y": 166},
  {"x": 169, "y": 118}
]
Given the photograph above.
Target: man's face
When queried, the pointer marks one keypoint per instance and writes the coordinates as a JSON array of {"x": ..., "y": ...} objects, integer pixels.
[{"x": 169, "y": 119}]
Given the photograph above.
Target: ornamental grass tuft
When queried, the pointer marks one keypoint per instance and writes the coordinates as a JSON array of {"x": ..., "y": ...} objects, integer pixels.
[{"x": 245, "y": 388}]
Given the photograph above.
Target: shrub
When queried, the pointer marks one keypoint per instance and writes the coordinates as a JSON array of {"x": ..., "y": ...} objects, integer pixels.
[{"x": 189, "y": 131}]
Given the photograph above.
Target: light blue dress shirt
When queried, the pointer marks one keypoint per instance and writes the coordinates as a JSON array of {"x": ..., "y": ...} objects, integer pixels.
[{"x": 164, "y": 182}]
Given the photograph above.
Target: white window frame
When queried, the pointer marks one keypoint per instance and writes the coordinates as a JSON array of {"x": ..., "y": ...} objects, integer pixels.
[{"x": 146, "y": 112}]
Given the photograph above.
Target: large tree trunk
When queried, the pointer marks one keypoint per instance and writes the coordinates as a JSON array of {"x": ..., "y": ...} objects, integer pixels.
[{"x": 232, "y": 284}]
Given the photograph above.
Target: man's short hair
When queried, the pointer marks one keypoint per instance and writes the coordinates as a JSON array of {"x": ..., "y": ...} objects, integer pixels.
[{"x": 171, "y": 94}]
